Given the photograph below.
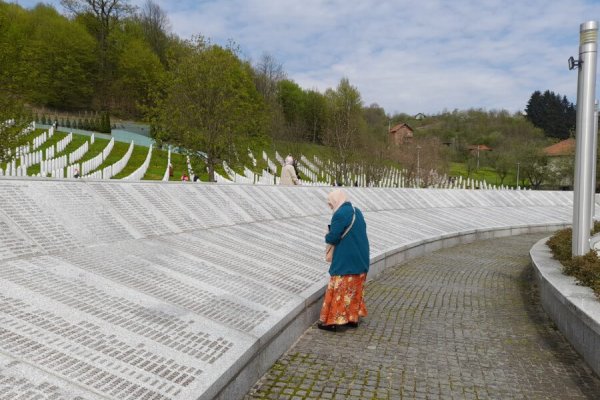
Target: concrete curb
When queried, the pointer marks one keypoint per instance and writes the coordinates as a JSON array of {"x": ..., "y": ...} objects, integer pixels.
[{"x": 574, "y": 309}]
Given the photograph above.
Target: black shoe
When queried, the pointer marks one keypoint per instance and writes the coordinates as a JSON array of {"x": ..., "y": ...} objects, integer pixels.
[
  {"x": 352, "y": 324},
  {"x": 331, "y": 328}
]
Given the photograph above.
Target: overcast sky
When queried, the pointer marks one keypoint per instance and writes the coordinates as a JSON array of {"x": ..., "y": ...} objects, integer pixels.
[{"x": 407, "y": 56}]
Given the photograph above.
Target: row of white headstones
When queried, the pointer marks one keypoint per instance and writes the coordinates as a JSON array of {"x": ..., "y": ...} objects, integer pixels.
[
  {"x": 319, "y": 175},
  {"x": 66, "y": 165},
  {"x": 317, "y": 171}
]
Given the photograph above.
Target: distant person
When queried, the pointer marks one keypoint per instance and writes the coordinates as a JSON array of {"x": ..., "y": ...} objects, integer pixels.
[
  {"x": 295, "y": 164},
  {"x": 196, "y": 178},
  {"x": 76, "y": 173},
  {"x": 185, "y": 178},
  {"x": 344, "y": 302},
  {"x": 288, "y": 173}
]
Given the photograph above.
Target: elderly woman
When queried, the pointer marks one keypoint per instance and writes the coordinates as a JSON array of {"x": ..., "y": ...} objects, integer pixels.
[
  {"x": 344, "y": 302},
  {"x": 288, "y": 173}
]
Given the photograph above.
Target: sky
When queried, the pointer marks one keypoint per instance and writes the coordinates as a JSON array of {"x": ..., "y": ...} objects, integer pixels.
[{"x": 426, "y": 56}]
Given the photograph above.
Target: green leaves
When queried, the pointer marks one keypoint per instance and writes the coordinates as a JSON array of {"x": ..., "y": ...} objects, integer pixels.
[
  {"x": 552, "y": 113},
  {"x": 210, "y": 103}
]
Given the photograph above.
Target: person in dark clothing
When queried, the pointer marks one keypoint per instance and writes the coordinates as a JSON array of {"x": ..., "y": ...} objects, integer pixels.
[{"x": 344, "y": 298}]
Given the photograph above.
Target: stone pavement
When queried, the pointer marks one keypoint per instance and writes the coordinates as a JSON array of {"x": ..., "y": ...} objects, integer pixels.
[{"x": 459, "y": 323}]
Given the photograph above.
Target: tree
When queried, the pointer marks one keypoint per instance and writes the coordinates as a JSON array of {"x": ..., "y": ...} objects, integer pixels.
[
  {"x": 61, "y": 54},
  {"x": 533, "y": 163},
  {"x": 425, "y": 160},
  {"x": 344, "y": 124},
  {"x": 291, "y": 99},
  {"x": 155, "y": 25},
  {"x": 11, "y": 109},
  {"x": 209, "y": 103},
  {"x": 314, "y": 115},
  {"x": 503, "y": 162},
  {"x": 555, "y": 115},
  {"x": 138, "y": 71},
  {"x": 100, "y": 16},
  {"x": 268, "y": 73},
  {"x": 15, "y": 28}
]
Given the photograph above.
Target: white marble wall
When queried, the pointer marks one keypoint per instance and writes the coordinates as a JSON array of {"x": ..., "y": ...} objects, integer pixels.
[{"x": 120, "y": 290}]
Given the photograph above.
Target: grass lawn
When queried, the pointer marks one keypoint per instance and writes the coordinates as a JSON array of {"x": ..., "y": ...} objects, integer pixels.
[
  {"x": 138, "y": 156},
  {"x": 483, "y": 174},
  {"x": 158, "y": 165},
  {"x": 115, "y": 155}
]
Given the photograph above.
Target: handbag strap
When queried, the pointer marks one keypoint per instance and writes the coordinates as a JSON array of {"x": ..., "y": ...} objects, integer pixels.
[{"x": 351, "y": 223}]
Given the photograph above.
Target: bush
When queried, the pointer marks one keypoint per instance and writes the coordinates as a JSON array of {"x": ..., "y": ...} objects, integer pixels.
[
  {"x": 585, "y": 269},
  {"x": 560, "y": 243}
]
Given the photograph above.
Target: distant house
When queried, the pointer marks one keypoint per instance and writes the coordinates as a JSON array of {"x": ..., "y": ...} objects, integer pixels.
[
  {"x": 401, "y": 134},
  {"x": 563, "y": 148},
  {"x": 560, "y": 162}
]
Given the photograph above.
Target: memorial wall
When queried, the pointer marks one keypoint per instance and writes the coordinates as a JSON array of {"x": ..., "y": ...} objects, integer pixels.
[{"x": 135, "y": 290}]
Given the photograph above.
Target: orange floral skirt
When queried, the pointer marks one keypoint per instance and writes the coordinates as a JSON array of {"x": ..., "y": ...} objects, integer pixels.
[{"x": 344, "y": 300}]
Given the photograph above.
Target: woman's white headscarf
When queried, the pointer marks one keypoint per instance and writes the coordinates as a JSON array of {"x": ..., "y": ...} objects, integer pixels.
[
  {"x": 336, "y": 198},
  {"x": 289, "y": 160}
]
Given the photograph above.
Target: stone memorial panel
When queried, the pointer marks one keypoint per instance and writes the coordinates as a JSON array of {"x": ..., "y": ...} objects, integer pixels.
[
  {"x": 107, "y": 304},
  {"x": 179, "y": 290},
  {"x": 308, "y": 247},
  {"x": 40, "y": 226},
  {"x": 22, "y": 381},
  {"x": 213, "y": 275},
  {"x": 138, "y": 215},
  {"x": 121, "y": 290},
  {"x": 13, "y": 243},
  {"x": 246, "y": 199},
  {"x": 74, "y": 204},
  {"x": 386, "y": 201},
  {"x": 176, "y": 216},
  {"x": 198, "y": 200},
  {"x": 296, "y": 264},
  {"x": 225, "y": 197},
  {"x": 231, "y": 259}
]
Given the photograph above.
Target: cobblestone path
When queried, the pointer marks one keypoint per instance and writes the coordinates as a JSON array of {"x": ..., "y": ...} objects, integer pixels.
[{"x": 460, "y": 323}]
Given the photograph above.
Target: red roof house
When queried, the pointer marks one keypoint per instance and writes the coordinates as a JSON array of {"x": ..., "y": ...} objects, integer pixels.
[{"x": 400, "y": 134}]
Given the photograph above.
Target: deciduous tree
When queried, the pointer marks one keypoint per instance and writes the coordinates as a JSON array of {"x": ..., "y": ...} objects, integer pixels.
[
  {"x": 344, "y": 124},
  {"x": 100, "y": 17},
  {"x": 315, "y": 115},
  {"x": 155, "y": 26},
  {"x": 209, "y": 103}
]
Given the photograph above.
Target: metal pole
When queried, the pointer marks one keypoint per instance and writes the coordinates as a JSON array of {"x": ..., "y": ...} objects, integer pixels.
[
  {"x": 418, "y": 168},
  {"x": 518, "y": 164},
  {"x": 594, "y": 164},
  {"x": 588, "y": 37}
]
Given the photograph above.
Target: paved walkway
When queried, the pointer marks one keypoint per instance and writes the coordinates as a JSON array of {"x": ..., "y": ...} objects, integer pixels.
[{"x": 460, "y": 323}]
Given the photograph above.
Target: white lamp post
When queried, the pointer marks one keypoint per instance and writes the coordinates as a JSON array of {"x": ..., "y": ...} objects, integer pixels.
[{"x": 586, "y": 88}]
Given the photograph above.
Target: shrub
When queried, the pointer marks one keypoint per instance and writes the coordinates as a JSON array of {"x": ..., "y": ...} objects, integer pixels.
[
  {"x": 560, "y": 244},
  {"x": 585, "y": 269}
]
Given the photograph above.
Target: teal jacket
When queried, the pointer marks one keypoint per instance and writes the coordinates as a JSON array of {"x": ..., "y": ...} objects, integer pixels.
[{"x": 351, "y": 255}]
